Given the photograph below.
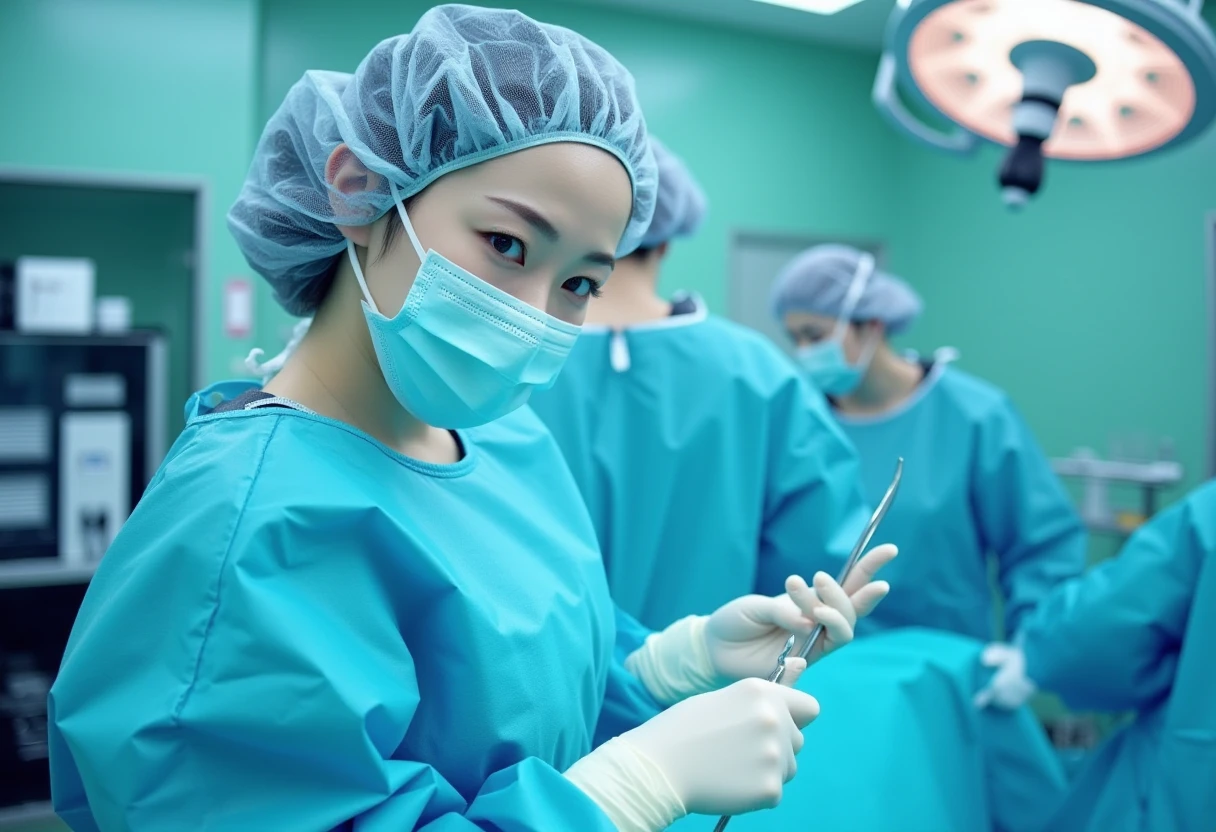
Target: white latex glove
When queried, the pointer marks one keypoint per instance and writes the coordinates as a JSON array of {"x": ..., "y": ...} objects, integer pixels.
[
  {"x": 729, "y": 751},
  {"x": 745, "y": 636},
  {"x": 1010, "y": 687}
]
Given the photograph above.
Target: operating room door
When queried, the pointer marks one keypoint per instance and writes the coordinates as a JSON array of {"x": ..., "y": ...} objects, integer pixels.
[{"x": 756, "y": 259}]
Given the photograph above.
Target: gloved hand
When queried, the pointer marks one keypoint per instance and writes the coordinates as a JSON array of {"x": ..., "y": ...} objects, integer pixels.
[
  {"x": 1010, "y": 687},
  {"x": 726, "y": 752},
  {"x": 731, "y": 750},
  {"x": 745, "y": 636}
]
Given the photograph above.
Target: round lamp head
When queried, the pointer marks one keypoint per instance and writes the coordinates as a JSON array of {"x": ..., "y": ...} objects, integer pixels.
[{"x": 1149, "y": 78}]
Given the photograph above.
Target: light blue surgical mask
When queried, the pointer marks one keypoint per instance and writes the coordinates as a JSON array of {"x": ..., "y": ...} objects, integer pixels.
[
  {"x": 825, "y": 363},
  {"x": 460, "y": 352}
]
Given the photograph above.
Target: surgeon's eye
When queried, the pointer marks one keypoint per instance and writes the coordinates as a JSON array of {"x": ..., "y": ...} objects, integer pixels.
[
  {"x": 507, "y": 246},
  {"x": 583, "y": 287}
]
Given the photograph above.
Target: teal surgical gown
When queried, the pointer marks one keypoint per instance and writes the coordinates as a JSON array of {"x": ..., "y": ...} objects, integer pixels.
[
  {"x": 908, "y": 750},
  {"x": 1138, "y": 633},
  {"x": 975, "y": 485},
  {"x": 299, "y": 628},
  {"x": 709, "y": 467}
]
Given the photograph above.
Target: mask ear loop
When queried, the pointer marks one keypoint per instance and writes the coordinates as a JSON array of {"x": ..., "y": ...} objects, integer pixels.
[
  {"x": 861, "y": 277},
  {"x": 354, "y": 264},
  {"x": 867, "y": 353},
  {"x": 865, "y": 268},
  {"x": 409, "y": 229},
  {"x": 405, "y": 221}
]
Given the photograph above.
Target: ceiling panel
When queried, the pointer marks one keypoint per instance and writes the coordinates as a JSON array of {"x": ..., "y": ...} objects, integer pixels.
[{"x": 857, "y": 27}]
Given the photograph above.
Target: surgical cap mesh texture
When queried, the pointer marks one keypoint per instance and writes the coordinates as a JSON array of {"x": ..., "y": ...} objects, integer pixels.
[
  {"x": 680, "y": 207},
  {"x": 818, "y": 279},
  {"x": 467, "y": 85}
]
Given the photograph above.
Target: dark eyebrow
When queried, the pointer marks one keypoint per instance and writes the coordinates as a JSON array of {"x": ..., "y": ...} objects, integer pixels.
[
  {"x": 531, "y": 217},
  {"x": 547, "y": 230}
]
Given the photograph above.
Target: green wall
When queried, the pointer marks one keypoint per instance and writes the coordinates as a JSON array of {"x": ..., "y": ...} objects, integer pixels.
[
  {"x": 772, "y": 128},
  {"x": 154, "y": 88}
]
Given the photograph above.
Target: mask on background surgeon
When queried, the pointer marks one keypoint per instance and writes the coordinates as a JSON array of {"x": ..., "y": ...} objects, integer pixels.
[
  {"x": 460, "y": 352},
  {"x": 825, "y": 363}
]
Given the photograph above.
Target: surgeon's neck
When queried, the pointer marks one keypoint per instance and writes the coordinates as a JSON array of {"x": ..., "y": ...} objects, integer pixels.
[
  {"x": 888, "y": 382},
  {"x": 334, "y": 372},
  {"x": 631, "y": 295}
]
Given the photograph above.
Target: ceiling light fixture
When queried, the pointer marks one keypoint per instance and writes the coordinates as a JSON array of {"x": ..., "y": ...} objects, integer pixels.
[
  {"x": 813, "y": 6},
  {"x": 1083, "y": 80}
]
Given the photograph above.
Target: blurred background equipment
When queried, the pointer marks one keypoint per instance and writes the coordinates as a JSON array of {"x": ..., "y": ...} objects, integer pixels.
[
  {"x": 1147, "y": 470},
  {"x": 54, "y": 294}
]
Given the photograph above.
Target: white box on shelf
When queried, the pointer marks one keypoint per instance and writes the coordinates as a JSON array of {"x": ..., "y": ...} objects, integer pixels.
[{"x": 55, "y": 295}]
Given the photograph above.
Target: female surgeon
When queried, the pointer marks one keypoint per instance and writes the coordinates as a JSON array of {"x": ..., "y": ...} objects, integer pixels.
[
  {"x": 368, "y": 596},
  {"x": 710, "y": 467},
  {"x": 976, "y": 485}
]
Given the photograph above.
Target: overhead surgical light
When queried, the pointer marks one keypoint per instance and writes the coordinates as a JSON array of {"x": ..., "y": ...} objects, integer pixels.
[
  {"x": 1084, "y": 80},
  {"x": 813, "y": 6}
]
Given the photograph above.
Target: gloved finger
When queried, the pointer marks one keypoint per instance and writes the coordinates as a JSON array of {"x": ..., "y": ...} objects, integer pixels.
[
  {"x": 793, "y": 736},
  {"x": 801, "y": 594},
  {"x": 837, "y": 628},
  {"x": 833, "y": 595},
  {"x": 869, "y": 564},
  {"x": 802, "y": 707},
  {"x": 995, "y": 654},
  {"x": 868, "y": 597},
  {"x": 780, "y": 612},
  {"x": 794, "y": 667}
]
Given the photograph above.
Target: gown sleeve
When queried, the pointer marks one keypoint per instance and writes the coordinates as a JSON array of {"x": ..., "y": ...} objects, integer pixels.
[
  {"x": 221, "y": 674},
  {"x": 1025, "y": 516},
  {"x": 1110, "y": 639},
  {"x": 814, "y": 505},
  {"x": 627, "y": 702}
]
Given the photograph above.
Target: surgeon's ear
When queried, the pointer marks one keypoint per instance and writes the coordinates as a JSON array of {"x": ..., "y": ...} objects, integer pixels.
[{"x": 347, "y": 175}]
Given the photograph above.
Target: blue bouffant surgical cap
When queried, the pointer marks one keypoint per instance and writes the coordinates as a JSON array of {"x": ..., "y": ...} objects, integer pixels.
[
  {"x": 817, "y": 281},
  {"x": 467, "y": 85},
  {"x": 680, "y": 207}
]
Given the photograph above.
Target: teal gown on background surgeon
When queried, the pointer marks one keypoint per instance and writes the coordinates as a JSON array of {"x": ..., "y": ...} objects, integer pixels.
[
  {"x": 299, "y": 628},
  {"x": 975, "y": 484},
  {"x": 909, "y": 750},
  {"x": 710, "y": 468},
  {"x": 1138, "y": 633}
]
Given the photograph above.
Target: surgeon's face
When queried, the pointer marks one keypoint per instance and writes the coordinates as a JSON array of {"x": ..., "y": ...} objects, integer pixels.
[
  {"x": 541, "y": 224},
  {"x": 805, "y": 329}
]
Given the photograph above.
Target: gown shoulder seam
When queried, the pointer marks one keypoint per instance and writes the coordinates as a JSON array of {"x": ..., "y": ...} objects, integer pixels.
[{"x": 219, "y": 579}]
